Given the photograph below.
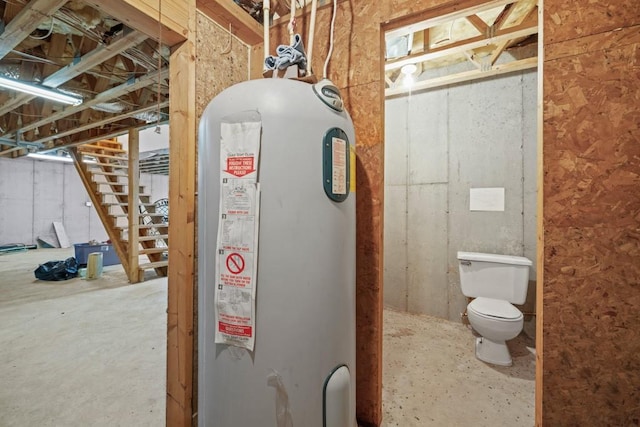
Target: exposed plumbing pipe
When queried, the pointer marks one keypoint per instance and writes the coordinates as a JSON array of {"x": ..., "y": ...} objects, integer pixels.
[
  {"x": 333, "y": 27},
  {"x": 292, "y": 23},
  {"x": 312, "y": 30},
  {"x": 266, "y": 5}
]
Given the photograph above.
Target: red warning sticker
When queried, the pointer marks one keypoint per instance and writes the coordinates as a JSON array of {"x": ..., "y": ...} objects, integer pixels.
[
  {"x": 240, "y": 166},
  {"x": 236, "y": 330},
  {"x": 235, "y": 263}
]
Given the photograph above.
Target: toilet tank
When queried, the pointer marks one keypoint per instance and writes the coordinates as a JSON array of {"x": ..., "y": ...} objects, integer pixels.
[{"x": 504, "y": 277}]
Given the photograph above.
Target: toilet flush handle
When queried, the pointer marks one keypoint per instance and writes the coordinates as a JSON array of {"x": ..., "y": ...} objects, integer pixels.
[{"x": 465, "y": 262}]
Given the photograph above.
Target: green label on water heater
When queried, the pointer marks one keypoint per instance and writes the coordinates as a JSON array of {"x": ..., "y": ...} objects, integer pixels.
[{"x": 336, "y": 165}]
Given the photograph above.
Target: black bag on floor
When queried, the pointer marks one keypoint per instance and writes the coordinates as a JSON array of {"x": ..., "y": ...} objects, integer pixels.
[{"x": 57, "y": 270}]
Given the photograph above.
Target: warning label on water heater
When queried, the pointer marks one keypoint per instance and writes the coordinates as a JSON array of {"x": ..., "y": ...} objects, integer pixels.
[
  {"x": 339, "y": 166},
  {"x": 237, "y": 243}
]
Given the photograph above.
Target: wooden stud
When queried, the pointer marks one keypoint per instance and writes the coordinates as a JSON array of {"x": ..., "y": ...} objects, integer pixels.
[
  {"x": 133, "y": 180},
  {"x": 182, "y": 179},
  {"x": 540, "y": 227}
]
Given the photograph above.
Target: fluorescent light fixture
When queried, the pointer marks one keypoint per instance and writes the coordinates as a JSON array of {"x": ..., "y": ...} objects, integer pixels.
[
  {"x": 49, "y": 157},
  {"x": 37, "y": 90}
]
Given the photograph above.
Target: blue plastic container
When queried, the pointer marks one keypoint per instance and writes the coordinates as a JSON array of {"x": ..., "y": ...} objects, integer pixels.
[{"x": 109, "y": 255}]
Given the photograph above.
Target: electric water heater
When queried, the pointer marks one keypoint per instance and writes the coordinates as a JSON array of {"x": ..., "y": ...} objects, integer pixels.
[{"x": 276, "y": 258}]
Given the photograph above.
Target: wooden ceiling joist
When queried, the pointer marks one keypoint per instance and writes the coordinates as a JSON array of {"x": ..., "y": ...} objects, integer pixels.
[
  {"x": 523, "y": 64},
  {"x": 26, "y": 22},
  {"x": 227, "y": 12},
  {"x": 464, "y": 45},
  {"x": 477, "y": 22},
  {"x": 102, "y": 122},
  {"x": 143, "y": 16},
  {"x": 108, "y": 95},
  {"x": 86, "y": 62},
  {"x": 399, "y": 28},
  {"x": 97, "y": 56}
]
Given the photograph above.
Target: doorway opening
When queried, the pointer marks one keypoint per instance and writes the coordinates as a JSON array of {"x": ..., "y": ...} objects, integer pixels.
[{"x": 461, "y": 171}]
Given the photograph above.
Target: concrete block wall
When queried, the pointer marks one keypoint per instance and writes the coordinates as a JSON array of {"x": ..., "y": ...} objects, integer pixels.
[
  {"x": 438, "y": 145},
  {"x": 35, "y": 193}
]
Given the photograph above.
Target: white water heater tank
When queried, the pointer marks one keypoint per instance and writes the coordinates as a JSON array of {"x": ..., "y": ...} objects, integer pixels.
[{"x": 301, "y": 371}]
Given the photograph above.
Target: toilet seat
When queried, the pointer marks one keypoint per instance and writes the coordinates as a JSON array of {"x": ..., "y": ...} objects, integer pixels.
[{"x": 490, "y": 308}]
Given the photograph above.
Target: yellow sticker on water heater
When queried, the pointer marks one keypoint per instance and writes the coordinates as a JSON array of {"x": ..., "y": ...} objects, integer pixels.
[{"x": 352, "y": 168}]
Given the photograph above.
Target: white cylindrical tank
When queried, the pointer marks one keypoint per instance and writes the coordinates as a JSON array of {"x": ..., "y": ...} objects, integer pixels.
[{"x": 301, "y": 372}]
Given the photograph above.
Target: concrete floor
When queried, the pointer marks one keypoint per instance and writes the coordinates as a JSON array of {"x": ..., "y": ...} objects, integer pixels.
[
  {"x": 432, "y": 378},
  {"x": 80, "y": 353}
]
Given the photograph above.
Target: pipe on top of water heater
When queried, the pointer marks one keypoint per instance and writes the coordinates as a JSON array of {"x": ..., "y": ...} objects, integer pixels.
[
  {"x": 312, "y": 30},
  {"x": 333, "y": 25},
  {"x": 266, "y": 5},
  {"x": 292, "y": 23}
]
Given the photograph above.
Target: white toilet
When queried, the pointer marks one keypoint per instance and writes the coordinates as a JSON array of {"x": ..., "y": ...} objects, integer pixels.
[{"x": 495, "y": 281}]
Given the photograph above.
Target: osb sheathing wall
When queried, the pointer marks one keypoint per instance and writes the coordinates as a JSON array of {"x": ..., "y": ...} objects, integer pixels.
[
  {"x": 221, "y": 61},
  {"x": 356, "y": 68},
  {"x": 591, "y": 370}
]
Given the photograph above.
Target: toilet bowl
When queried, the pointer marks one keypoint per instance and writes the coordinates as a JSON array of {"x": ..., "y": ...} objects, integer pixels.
[
  {"x": 495, "y": 281},
  {"x": 496, "y": 321}
]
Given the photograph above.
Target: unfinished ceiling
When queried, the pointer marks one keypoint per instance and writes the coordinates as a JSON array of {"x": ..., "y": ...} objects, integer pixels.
[
  {"x": 478, "y": 42},
  {"x": 122, "y": 76},
  {"x": 119, "y": 73}
]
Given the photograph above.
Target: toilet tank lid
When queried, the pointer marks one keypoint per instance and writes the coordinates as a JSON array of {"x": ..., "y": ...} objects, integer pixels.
[{"x": 501, "y": 259}]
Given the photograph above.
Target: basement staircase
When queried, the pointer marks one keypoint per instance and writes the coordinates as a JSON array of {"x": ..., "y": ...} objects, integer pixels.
[{"x": 112, "y": 180}]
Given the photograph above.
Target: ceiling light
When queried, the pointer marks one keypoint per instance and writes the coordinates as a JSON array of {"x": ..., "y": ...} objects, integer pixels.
[
  {"x": 37, "y": 90},
  {"x": 408, "y": 81},
  {"x": 409, "y": 69}
]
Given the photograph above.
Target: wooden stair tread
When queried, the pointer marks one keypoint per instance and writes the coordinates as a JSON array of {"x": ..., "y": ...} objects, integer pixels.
[
  {"x": 91, "y": 148},
  {"x": 145, "y": 226},
  {"x": 107, "y": 143},
  {"x": 114, "y": 193},
  {"x": 99, "y": 172},
  {"x": 105, "y": 156},
  {"x": 150, "y": 265},
  {"x": 109, "y": 165},
  {"x": 147, "y": 251},
  {"x": 142, "y": 214},
  {"x": 149, "y": 238},
  {"x": 127, "y": 204}
]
